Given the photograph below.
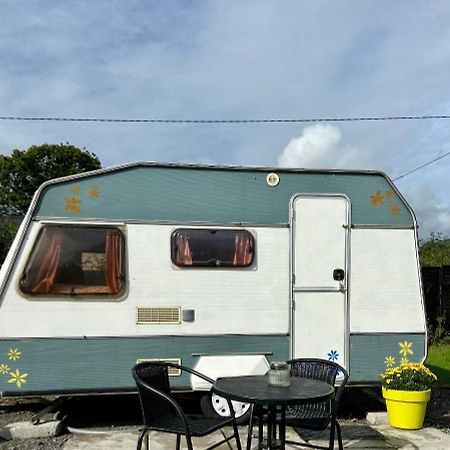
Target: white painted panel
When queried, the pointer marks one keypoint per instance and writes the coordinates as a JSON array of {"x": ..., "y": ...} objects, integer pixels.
[
  {"x": 228, "y": 366},
  {"x": 385, "y": 291},
  {"x": 320, "y": 240},
  {"x": 320, "y": 325},
  {"x": 226, "y": 301}
]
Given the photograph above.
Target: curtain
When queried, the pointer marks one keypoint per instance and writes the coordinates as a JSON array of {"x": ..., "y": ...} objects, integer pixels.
[
  {"x": 113, "y": 262},
  {"x": 48, "y": 266},
  {"x": 243, "y": 252},
  {"x": 183, "y": 255}
]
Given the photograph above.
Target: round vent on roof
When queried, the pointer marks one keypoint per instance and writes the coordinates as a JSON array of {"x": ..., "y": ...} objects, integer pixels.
[{"x": 272, "y": 179}]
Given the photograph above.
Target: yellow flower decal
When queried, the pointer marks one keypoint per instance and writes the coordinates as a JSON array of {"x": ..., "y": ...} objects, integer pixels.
[
  {"x": 4, "y": 369},
  {"x": 376, "y": 199},
  {"x": 75, "y": 189},
  {"x": 94, "y": 192},
  {"x": 404, "y": 361},
  {"x": 405, "y": 348},
  {"x": 389, "y": 193},
  {"x": 389, "y": 361},
  {"x": 72, "y": 204},
  {"x": 14, "y": 354},
  {"x": 395, "y": 209},
  {"x": 18, "y": 378}
]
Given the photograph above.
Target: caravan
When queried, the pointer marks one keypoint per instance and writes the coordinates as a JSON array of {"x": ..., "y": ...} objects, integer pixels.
[{"x": 221, "y": 268}]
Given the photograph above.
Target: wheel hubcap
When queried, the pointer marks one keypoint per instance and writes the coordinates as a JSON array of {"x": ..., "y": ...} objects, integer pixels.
[{"x": 220, "y": 406}]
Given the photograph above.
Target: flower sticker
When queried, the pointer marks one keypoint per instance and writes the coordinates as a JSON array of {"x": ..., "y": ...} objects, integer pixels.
[
  {"x": 18, "y": 378},
  {"x": 333, "y": 355},
  {"x": 14, "y": 354},
  {"x": 404, "y": 361},
  {"x": 72, "y": 204},
  {"x": 4, "y": 369},
  {"x": 377, "y": 199},
  {"x": 94, "y": 192},
  {"x": 405, "y": 348},
  {"x": 389, "y": 361}
]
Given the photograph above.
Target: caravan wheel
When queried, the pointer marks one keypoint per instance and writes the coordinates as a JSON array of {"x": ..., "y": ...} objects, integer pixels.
[{"x": 214, "y": 405}]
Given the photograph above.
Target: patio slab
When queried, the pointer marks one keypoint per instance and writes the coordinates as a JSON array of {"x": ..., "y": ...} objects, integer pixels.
[{"x": 356, "y": 435}]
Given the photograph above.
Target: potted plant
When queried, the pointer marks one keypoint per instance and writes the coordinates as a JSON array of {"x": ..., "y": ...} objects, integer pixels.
[{"x": 406, "y": 389}]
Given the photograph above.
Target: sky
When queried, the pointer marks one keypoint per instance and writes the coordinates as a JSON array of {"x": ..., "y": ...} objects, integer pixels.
[{"x": 229, "y": 59}]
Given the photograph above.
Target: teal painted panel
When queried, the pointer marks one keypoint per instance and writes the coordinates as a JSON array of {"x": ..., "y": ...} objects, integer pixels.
[
  {"x": 368, "y": 353},
  {"x": 211, "y": 195},
  {"x": 46, "y": 365}
]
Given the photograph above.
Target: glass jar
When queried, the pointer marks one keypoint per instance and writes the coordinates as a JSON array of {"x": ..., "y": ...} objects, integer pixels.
[{"x": 279, "y": 374}]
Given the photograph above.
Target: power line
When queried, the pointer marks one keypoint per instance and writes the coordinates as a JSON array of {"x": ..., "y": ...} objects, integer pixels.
[
  {"x": 243, "y": 121},
  {"x": 422, "y": 166},
  {"x": 223, "y": 121}
]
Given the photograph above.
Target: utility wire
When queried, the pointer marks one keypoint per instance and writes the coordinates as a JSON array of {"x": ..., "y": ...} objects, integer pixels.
[
  {"x": 242, "y": 121},
  {"x": 226, "y": 121},
  {"x": 422, "y": 166}
]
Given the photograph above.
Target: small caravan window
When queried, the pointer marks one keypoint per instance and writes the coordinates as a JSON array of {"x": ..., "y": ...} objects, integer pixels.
[
  {"x": 212, "y": 248},
  {"x": 75, "y": 260}
]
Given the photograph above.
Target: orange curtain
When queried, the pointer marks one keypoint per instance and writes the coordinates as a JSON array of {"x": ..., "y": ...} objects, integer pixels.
[
  {"x": 183, "y": 256},
  {"x": 48, "y": 266},
  {"x": 242, "y": 250},
  {"x": 113, "y": 262}
]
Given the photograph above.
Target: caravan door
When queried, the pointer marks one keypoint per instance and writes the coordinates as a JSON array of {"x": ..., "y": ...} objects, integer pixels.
[{"x": 320, "y": 265}]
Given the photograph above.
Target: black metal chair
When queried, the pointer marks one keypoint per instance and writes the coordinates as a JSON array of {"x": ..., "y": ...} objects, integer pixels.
[
  {"x": 162, "y": 413},
  {"x": 312, "y": 416}
]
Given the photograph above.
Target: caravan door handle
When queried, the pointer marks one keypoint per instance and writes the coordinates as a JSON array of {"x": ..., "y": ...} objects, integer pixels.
[{"x": 338, "y": 274}]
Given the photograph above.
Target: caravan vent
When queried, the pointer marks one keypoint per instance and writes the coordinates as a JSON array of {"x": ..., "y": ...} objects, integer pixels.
[
  {"x": 173, "y": 372},
  {"x": 158, "y": 315}
]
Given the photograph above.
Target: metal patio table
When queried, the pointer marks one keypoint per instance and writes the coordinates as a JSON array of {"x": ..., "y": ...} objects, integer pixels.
[{"x": 256, "y": 390}]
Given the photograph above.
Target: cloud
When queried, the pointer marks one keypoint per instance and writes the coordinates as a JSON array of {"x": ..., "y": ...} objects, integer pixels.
[
  {"x": 433, "y": 215},
  {"x": 321, "y": 146}
]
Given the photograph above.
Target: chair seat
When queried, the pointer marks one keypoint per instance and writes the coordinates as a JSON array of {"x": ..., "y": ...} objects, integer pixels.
[
  {"x": 311, "y": 424},
  {"x": 199, "y": 425}
]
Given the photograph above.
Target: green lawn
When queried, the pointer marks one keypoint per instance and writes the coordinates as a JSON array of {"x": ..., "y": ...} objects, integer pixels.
[{"x": 439, "y": 362}]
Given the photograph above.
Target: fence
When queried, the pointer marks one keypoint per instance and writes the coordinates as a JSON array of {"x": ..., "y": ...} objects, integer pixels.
[{"x": 436, "y": 289}]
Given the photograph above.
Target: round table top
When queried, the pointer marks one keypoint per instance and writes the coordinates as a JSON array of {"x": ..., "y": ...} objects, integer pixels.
[{"x": 256, "y": 389}]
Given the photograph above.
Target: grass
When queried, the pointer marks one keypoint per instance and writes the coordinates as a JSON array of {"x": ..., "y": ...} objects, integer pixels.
[{"x": 438, "y": 361}]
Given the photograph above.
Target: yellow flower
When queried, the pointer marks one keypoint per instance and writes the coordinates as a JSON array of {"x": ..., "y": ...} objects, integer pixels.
[
  {"x": 72, "y": 204},
  {"x": 389, "y": 361},
  {"x": 75, "y": 189},
  {"x": 4, "y": 369},
  {"x": 94, "y": 192},
  {"x": 14, "y": 354},
  {"x": 376, "y": 199},
  {"x": 405, "y": 348},
  {"x": 18, "y": 378},
  {"x": 404, "y": 361}
]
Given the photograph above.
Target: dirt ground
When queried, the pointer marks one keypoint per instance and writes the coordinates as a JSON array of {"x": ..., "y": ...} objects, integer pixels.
[{"x": 105, "y": 412}]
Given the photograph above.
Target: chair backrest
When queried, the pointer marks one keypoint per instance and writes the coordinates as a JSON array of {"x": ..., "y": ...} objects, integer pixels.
[
  {"x": 322, "y": 370},
  {"x": 152, "y": 380}
]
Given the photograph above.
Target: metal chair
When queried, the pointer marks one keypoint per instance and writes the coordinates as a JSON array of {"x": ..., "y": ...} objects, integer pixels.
[
  {"x": 162, "y": 413},
  {"x": 317, "y": 416},
  {"x": 313, "y": 416}
]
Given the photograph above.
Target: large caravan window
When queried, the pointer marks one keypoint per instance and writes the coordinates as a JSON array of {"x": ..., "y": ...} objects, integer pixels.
[
  {"x": 75, "y": 260},
  {"x": 212, "y": 248}
]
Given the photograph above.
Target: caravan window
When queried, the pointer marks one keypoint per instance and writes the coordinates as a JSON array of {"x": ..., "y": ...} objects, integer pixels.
[
  {"x": 212, "y": 248},
  {"x": 75, "y": 260}
]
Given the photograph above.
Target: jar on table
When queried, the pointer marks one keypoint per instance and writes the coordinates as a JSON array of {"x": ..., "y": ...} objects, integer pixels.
[{"x": 279, "y": 374}]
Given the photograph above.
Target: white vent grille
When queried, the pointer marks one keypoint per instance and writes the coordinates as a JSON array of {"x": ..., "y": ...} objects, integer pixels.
[
  {"x": 158, "y": 315},
  {"x": 173, "y": 372}
]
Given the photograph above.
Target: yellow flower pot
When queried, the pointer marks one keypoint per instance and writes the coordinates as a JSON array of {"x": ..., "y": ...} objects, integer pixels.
[{"x": 406, "y": 409}]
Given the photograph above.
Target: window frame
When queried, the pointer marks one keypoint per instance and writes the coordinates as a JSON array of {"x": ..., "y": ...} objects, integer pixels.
[
  {"x": 85, "y": 293},
  {"x": 194, "y": 266}
]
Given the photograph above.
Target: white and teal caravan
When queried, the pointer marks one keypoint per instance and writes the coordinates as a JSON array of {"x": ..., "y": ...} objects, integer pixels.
[{"x": 221, "y": 268}]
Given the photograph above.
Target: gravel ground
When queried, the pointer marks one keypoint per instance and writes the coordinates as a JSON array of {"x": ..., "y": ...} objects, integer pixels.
[{"x": 105, "y": 412}]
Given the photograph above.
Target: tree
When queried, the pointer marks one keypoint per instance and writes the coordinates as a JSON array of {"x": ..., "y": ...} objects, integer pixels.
[
  {"x": 434, "y": 251},
  {"x": 23, "y": 172}
]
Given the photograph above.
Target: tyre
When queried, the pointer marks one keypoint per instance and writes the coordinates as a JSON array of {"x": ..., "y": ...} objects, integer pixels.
[{"x": 214, "y": 405}]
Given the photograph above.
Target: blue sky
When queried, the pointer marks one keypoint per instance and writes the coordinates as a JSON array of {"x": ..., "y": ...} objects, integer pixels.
[{"x": 237, "y": 60}]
